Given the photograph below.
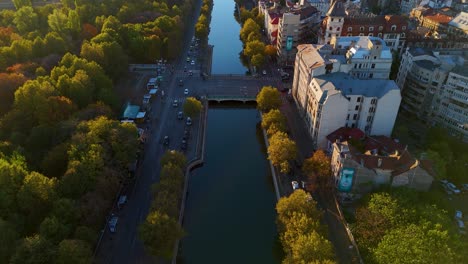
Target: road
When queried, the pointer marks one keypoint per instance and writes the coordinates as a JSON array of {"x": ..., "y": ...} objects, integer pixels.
[{"x": 124, "y": 246}]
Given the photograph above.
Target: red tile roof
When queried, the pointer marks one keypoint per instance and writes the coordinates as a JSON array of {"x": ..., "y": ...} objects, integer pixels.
[{"x": 345, "y": 133}]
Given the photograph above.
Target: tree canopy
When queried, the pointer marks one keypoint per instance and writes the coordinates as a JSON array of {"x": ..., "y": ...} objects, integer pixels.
[
  {"x": 281, "y": 150},
  {"x": 268, "y": 98},
  {"x": 192, "y": 107}
]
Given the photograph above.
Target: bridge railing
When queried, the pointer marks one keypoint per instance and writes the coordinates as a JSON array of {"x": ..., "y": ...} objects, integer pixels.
[{"x": 231, "y": 98}]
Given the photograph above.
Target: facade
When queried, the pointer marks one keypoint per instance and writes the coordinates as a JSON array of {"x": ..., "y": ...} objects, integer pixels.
[
  {"x": 459, "y": 26},
  {"x": 407, "y": 5},
  {"x": 360, "y": 165},
  {"x": 338, "y": 23},
  {"x": 337, "y": 88},
  {"x": 452, "y": 103},
  {"x": 321, "y": 5},
  {"x": 294, "y": 27}
]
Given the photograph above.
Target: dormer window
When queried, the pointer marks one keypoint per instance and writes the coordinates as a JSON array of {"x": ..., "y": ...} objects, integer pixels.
[
  {"x": 393, "y": 28},
  {"x": 330, "y": 28},
  {"x": 350, "y": 29},
  {"x": 361, "y": 29},
  {"x": 371, "y": 28},
  {"x": 380, "y": 28}
]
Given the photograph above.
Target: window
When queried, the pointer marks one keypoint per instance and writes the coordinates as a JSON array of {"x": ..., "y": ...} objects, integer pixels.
[
  {"x": 402, "y": 35},
  {"x": 379, "y": 35},
  {"x": 361, "y": 34},
  {"x": 371, "y": 28},
  {"x": 356, "y": 108},
  {"x": 371, "y": 35},
  {"x": 371, "y": 75},
  {"x": 360, "y": 65},
  {"x": 355, "y": 66},
  {"x": 380, "y": 28},
  {"x": 369, "y": 118},
  {"x": 373, "y": 66},
  {"x": 358, "y": 99},
  {"x": 375, "y": 57},
  {"x": 355, "y": 117},
  {"x": 350, "y": 35},
  {"x": 338, "y": 28},
  {"x": 350, "y": 29},
  {"x": 393, "y": 28},
  {"x": 330, "y": 28},
  {"x": 403, "y": 28},
  {"x": 347, "y": 118},
  {"x": 332, "y": 19},
  {"x": 329, "y": 35},
  {"x": 361, "y": 29},
  {"x": 339, "y": 19},
  {"x": 373, "y": 101}
]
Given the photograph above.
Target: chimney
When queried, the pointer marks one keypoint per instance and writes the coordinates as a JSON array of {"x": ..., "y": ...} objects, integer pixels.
[{"x": 379, "y": 162}]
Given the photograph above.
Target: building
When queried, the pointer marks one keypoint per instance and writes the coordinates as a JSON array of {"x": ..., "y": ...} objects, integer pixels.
[
  {"x": 339, "y": 87},
  {"x": 459, "y": 26},
  {"x": 339, "y": 23},
  {"x": 407, "y": 5},
  {"x": 361, "y": 164},
  {"x": 321, "y": 5},
  {"x": 294, "y": 27},
  {"x": 452, "y": 103}
]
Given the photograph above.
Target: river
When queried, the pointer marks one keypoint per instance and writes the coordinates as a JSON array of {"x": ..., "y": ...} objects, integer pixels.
[{"x": 230, "y": 210}]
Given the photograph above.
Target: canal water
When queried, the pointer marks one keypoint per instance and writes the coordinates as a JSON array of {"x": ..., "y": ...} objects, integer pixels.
[
  {"x": 230, "y": 214},
  {"x": 224, "y": 35},
  {"x": 230, "y": 211}
]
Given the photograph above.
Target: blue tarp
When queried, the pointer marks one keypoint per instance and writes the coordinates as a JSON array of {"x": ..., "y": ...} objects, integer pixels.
[{"x": 131, "y": 111}]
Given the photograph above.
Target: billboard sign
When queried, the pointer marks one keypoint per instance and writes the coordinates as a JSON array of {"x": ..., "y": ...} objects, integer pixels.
[
  {"x": 346, "y": 180},
  {"x": 289, "y": 43}
]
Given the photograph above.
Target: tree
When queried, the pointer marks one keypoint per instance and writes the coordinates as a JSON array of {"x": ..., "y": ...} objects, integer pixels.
[
  {"x": 21, "y": 3},
  {"x": 318, "y": 166},
  {"x": 159, "y": 233},
  {"x": 249, "y": 26},
  {"x": 53, "y": 229},
  {"x": 274, "y": 121},
  {"x": 7, "y": 240},
  {"x": 73, "y": 251},
  {"x": 26, "y": 20},
  {"x": 8, "y": 85},
  {"x": 173, "y": 157},
  {"x": 253, "y": 48},
  {"x": 257, "y": 60},
  {"x": 270, "y": 50},
  {"x": 281, "y": 150},
  {"x": 369, "y": 228},
  {"x": 299, "y": 202},
  {"x": 192, "y": 107},
  {"x": 297, "y": 224},
  {"x": 33, "y": 250},
  {"x": 268, "y": 98},
  {"x": 420, "y": 243},
  {"x": 311, "y": 248}
]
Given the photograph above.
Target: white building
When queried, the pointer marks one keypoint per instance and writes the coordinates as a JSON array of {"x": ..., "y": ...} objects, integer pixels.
[{"x": 329, "y": 96}]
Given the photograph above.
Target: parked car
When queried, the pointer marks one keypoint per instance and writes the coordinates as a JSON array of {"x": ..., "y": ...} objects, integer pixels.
[
  {"x": 190, "y": 73},
  {"x": 443, "y": 182},
  {"x": 186, "y": 91},
  {"x": 453, "y": 188},
  {"x": 122, "y": 200},
  {"x": 181, "y": 83},
  {"x": 175, "y": 103},
  {"x": 193, "y": 62},
  {"x": 264, "y": 72},
  {"x": 183, "y": 146},
  {"x": 113, "y": 223},
  {"x": 180, "y": 115},
  {"x": 166, "y": 140},
  {"x": 295, "y": 185},
  {"x": 189, "y": 121},
  {"x": 188, "y": 59},
  {"x": 458, "y": 215}
]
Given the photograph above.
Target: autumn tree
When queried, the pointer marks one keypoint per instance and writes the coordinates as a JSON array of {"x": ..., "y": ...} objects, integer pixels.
[
  {"x": 270, "y": 50},
  {"x": 273, "y": 121},
  {"x": 318, "y": 167},
  {"x": 8, "y": 85},
  {"x": 35, "y": 249},
  {"x": 298, "y": 202},
  {"x": 26, "y": 19},
  {"x": 159, "y": 232},
  {"x": 281, "y": 150},
  {"x": 311, "y": 248},
  {"x": 268, "y": 98},
  {"x": 73, "y": 251},
  {"x": 192, "y": 107},
  {"x": 249, "y": 26},
  {"x": 173, "y": 157}
]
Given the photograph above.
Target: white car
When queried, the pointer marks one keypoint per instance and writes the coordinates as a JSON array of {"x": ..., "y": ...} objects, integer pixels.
[
  {"x": 175, "y": 103},
  {"x": 186, "y": 91},
  {"x": 453, "y": 188},
  {"x": 295, "y": 185},
  {"x": 458, "y": 215},
  {"x": 264, "y": 72},
  {"x": 189, "y": 121},
  {"x": 193, "y": 62}
]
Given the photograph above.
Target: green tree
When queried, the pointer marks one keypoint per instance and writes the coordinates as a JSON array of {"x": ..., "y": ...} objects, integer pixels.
[
  {"x": 281, "y": 150},
  {"x": 26, "y": 20},
  {"x": 257, "y": 60},
  {"x": 33, "y": 250},
  {"x": 12, "y": 174},
  {"x": 192, "y": 107},
  {"x": 73, "y": 251},
  {"x": 58, "y": 22},
  {"x": 173, "y": 157},
  {"x": 249, "y": 26},
  {"x": 253, "y": 48},
  {"x": 415, "y": 244},
  {"x": 21, "y": 3},
  {"x": 299, "y": 202},
  {"x": 311, "y": 248},
  {"x": 159, "y": 233},
  {"x": 268, "y": 98},
  {"x": 297, "y": 224},
  {"x": 7, "y": 240},
  {"x": 274, "y": 121},
  {"x": 53, "y": 229}
]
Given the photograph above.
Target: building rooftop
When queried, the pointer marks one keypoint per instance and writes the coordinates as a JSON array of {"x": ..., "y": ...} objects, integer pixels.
[
  {"x": 337, "y": 9},
  {"x": 361, "y": 45},
  {"x": 345, "y": 133},
  {"x": 348, "y": 85},
  {"x": 461, "y": 70},
  {"x": 416, "y": 51},
  {"x": 427, "y": 64},
  {"x": 460, "y": 21}
]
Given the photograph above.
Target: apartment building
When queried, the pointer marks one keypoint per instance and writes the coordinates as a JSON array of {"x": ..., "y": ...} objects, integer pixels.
[{"x": 331, "y": 90}]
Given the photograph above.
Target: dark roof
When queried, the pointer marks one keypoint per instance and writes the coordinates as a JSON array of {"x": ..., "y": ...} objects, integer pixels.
[
  {"x": 345, "y": 133},
  {"x": 337, "y": 9}
]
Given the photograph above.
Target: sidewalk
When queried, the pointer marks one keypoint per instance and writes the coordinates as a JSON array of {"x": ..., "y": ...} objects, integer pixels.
[{"x": 337, "y": 231}]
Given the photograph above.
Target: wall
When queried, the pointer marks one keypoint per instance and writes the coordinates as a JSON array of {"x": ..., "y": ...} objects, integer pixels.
[{"x": 385, "y": 113}]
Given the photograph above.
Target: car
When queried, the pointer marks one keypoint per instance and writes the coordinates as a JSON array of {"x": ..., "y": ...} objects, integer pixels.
[
  {"x": 175, "y": 103},
  {"x": 188, "y": 59},
  {"x": 453, "y": 188},
  {"x": 193, "y": 62},
  {"x": 303, "y": 184},
  {"x": 443, "y": 182},
  {"x": 185, "y": 69},
  {"x": 186, "y": 134},
  {"x": 295, "y": 185},
  {"x": 113, "y": 223},
  {"x": 181, "y": 83},
  {"x": 465, "y": 187},
  {"x": 458, "y": 215},
  {"x": 183, "y": 146},
  {"x": 122, "y": 200},
  {"x": 190, "y": 73},
  {"x": 189, "y": 121},
  {"x": 264, "y": 72},
  {"x": 166, "y": 140},
  {"x": 186, "y": 91},
  {"x": 180, "y": 115}
]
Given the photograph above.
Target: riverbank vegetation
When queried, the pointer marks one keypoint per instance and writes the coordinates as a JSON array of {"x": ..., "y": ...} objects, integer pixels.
[
  {"x": 301, "y": 233},
  {"x": 405, "y": 226},
  {"x": 202, "y": 27},
  {"x": 192, "y": 107},
  {"x": 161, "y": 229},
  {"x": 63, "y": 157}
]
